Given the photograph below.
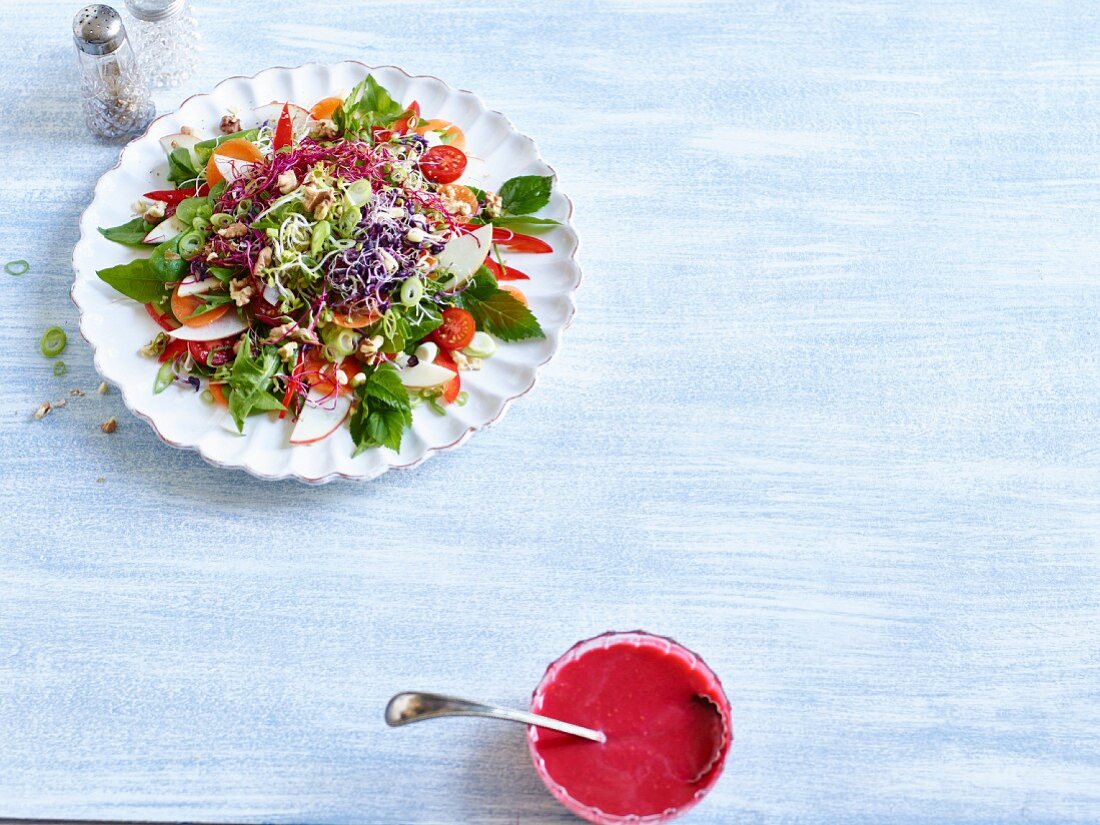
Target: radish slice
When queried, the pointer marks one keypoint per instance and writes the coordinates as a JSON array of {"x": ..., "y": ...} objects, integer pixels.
[
  {"x": 193, "y": 286},
  {"x": 463, "y": 254},
  {"x": 232, "y": 168},
  {"x": 425, "y": 375},
  {"x": 321, "y": 417},
  {"x": 228, "y": 324},
  {"x": 166, "y": 229}
]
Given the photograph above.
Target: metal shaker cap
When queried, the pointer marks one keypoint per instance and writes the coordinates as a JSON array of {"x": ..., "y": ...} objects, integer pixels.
[
  {"x": 154, "y": 11},
  {"x": 98, "y": 29}
]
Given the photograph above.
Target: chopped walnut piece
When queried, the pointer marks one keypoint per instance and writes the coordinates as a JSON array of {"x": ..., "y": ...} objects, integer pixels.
[
  {"x": 103, "y": 388},
  {"x": 324, "y": 129},
  {"x": 43, "y": 410},
  {"x": 240, "y": 290},
  {"x": 287, "y": 182},
  {"x": 230, "y": 124},
  {"x": 109, "y": 426},
  {"x": 317, "y": 201},
  {"x": 263, "y": 259},
  {"x": 234, "y": 230}
]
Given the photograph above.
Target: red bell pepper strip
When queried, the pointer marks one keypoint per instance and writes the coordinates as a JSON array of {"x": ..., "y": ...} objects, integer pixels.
[
  {"x": 409, "y": 119},
  {"x": 163, "y": 321},
  {"x": 454, "y": 386},
  {"x": 505, "y": 273},
  {"x": 284, "y": 131},
  {"x": 175, "y": 349},
  {"x": 291, "y": 387},
  {"x": 520, "y": 243},
  {"x": 172, "y": 197}
]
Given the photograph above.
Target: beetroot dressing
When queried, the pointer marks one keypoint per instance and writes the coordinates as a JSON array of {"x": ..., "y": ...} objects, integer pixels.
[{"x": 665, "y": 743}]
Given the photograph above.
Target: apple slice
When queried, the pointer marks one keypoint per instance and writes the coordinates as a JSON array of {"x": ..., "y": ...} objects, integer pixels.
[
  {"x": 232, "y": 168},
  {"x": 463, "y": 254},
  {"x": 178, "y": 140},
  {"x": 425, "y": 375},
  {"x": 301, "y": 121},
  {"x": 165, "y": 230},
  {"x": 321, "y": 417},
  {"x": 228, "y": 324},
  {"x": 195, "y": 286}
]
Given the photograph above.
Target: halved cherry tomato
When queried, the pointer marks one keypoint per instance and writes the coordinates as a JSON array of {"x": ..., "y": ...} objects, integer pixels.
[
  {"x": 172, "y": 197},
  {"x": 284, "y": 131},
  {"x": 212, "y": 353},
  {"x": 457, "y": 330},
  {"x": 505, "y": 273},
  {"x": 516, "y": 293},
  {"x": 165, "y": 322},
  {"x": 238, "y": 149},
  {"x": 454, "y": 136},
  {"x": 218, "y": 393},
  {"x": 174, "y": 349},
  {"x": 355, "y": 320},
  {"x": 461, "y": 194},
  {"x": 324, "y": 109},
  {"x": 443, "y": 164},
  {"x": 184, "y": 306},
  {"x": 454, "y": 386},
  {"x": 520, "y": 243}
]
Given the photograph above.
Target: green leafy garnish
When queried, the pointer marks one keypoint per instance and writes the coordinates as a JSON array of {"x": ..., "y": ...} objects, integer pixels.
[
  {"x": 180, "y": 168},
  {"x": 166, "y": 262},
  {"x": 136, "y": 280},
  {"x": 131, "y": 233},
  {"x": 207, "y": 302},
  {"x": 250, "y": 381},
  {"x": 525, "y": 194},
  {"x": 496, "y": 311},
  {"x": 367, "y": 105},
  {"x": 524, "y": 223},
  {"x": 384, "y": 411}
]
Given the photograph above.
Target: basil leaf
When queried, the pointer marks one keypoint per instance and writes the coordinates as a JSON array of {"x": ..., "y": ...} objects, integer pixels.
[
  {"x": 419, "y": 329},
  {"x": 367, "y": 105},
  {"x": 188, "y": 208},
  {"x": 383, "y": 412},
  {"x": 496, "y": 311},
  {"x": 131, "y": 233},
  {"x": 525, "y": 194},
  {"x": 166, "y": 261},
  {"x": 250, "y": 382},
  {"x": 525, "y": 223},
  {"x": 136, "y": 280},
  {"x": 180, "y": 168}
]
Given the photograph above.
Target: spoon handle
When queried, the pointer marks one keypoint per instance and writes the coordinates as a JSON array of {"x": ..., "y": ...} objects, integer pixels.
[{"x": 413, "y": 707}]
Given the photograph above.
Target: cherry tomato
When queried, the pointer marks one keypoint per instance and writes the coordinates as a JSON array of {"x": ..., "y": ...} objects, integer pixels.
[
  {"x": 174, "y": 349},
  {"x": 443, "y": 164},
  {"x": 505, "y": 273},
  {"x": 212, "y": 353},
  {"x": 457, "y": 331},
  {"x": 454, "y": 386}
]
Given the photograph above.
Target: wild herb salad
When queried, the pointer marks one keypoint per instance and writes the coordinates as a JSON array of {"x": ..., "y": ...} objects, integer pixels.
[{"x": 330, "y": 265}]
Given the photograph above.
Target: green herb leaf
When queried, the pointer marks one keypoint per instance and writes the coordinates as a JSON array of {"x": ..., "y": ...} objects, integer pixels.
[
  {"x": 525, "y": 223},
  {"x": 496, "y": 311},
  {"x": 429, "y": 319},
  {"x": 525, "y": 194},
  {"x": 207, "y": 302},
  {"x": 180, "y": 168},
  {"x": 131, "y": 233},
  {"x": 137, "y": 280},
  {"x": 384, "y": 411},
  {"x": 188, "y": 208},
  {"x": 166, "y": 261},
  {"x": 250, "y": 381},
  {"x": 367, "y": 105}
]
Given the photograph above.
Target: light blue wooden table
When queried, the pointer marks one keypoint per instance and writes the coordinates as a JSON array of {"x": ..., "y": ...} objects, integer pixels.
[{"x": 828, "y": 414}]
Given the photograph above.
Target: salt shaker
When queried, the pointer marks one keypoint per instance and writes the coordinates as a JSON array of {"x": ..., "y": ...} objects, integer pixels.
[
  {"x": 165, "y": 37},
  {"x": 115, "y": 98}
]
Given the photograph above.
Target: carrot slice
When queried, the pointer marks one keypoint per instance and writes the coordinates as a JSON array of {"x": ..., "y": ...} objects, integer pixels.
[
  {"x": 183, "y": 306},
  {"x": 323, "y": 109},
  {"x": 454, "y": 135},
  {"x": 219, "y": 394},
  {"x": 355, "y": 320},
  {"x": 515, "y": 293},
  {"x": 238, "y": 149}
]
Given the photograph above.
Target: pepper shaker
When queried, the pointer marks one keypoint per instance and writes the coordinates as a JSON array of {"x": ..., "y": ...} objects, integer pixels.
[
  {"x": 115, "y": 98},
  {"x": 165, "y": 38}
]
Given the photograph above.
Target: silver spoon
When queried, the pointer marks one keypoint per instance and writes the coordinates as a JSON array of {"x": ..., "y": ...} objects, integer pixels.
[{"x": 412, "y": 707}]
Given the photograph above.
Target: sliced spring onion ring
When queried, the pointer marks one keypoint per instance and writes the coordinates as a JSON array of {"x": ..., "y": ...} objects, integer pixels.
[
  {"x": 165, "y": 376},
  {"x": 359, "y": 192},
  {"x": 19, "y": 267},
  {"x": 462, "y": 398},
  {"x": 221, "y": 219},
  {"x": 59, "y": 368},
  {"x": 53, "y": 342},
  {"x": 190, "y": 243},
  {"x": 412, "y": 290}
]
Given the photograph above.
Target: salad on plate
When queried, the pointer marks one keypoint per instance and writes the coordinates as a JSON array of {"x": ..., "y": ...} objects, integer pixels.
[{"x": 331, "y": 266}]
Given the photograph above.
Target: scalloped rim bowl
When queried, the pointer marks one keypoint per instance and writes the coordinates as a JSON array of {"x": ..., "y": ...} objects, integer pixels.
[{"x": 116, "y": 327}]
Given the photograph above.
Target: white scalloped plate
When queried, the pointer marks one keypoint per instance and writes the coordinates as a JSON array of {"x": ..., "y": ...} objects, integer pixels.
[{"x": 117, "y": 327}]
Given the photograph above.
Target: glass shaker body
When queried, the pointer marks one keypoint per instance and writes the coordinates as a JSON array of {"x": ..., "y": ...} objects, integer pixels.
[
  {"x": 114, "y": 95},
  {"x": 165, "y": 38}
]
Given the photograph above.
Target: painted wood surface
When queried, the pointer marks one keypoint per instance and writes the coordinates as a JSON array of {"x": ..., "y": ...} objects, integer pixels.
[{"x": 828, "y": 415}]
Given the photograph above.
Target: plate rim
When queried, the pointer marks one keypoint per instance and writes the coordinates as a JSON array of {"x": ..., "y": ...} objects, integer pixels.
[{"x": 334, "y": 474}]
